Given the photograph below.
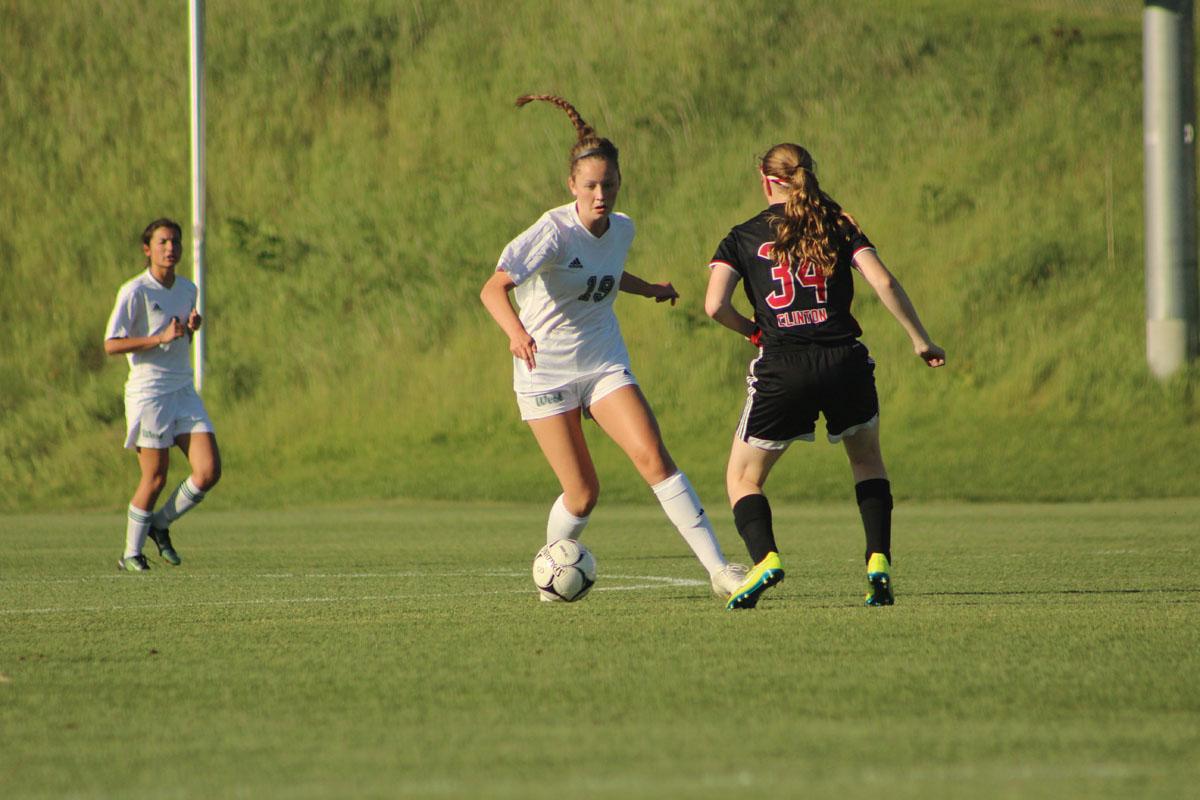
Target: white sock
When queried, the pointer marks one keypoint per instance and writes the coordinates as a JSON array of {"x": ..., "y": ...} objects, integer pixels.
[
  {"x": 185, "y": 497},
  {"x": 679, "y": 500},
  {"x": 136, "y": 529},
  {"x": 562, "y": 524}
]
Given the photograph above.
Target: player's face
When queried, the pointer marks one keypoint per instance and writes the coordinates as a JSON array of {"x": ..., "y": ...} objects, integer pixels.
[
  {"x": 164, "y": 248},
  {"x": 595, "y": 185}
]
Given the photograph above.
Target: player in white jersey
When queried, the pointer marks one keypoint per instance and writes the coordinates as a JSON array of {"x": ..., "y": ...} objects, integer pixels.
[
  {"x": 152, "y": 324},
  {"x": 568, "y": 355}
]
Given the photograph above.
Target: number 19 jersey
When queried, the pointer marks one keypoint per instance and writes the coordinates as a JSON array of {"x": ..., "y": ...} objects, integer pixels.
[{"x": 566, "y": 282}]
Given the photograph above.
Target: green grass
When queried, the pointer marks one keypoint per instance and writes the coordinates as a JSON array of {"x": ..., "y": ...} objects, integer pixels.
[
  {"x": 399, "y": 651},
  {"x": 366, "y": 167}
]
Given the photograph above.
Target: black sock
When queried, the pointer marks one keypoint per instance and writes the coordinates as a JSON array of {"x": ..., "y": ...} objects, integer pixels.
[
  {"x": 875, "y": 506},
  {"x": 752, "y": 516}
]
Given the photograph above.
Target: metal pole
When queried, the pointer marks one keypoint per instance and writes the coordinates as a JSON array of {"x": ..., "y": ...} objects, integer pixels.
[
  {"x": 1169, "y": 122},
  {"x": 196, "y": 41}
]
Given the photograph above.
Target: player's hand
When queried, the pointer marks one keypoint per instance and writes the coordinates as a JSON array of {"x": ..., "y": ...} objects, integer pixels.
[
  {"x": 524, "y": 348},
  {"x": 661, "y": 292},
  {"x": 173, "y": 331},
  {"x": 756, "y": 338},
  {"x": 933, "y": 355},
  {"x": 194, "y": 320}
]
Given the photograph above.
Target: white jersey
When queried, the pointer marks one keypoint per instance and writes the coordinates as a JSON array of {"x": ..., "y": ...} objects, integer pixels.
[
  {"x": 144, "y": 308},
  {"x": 566, "y": 281}
]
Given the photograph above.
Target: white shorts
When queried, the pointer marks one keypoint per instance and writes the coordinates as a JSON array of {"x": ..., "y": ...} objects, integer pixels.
[
  {"x": 155, "y": 421},
  {"x": 581, "y": 392}
]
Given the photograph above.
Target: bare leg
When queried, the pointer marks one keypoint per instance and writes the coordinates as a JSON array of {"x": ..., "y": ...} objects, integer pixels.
[
  {"x": 203, "y": 456},
  {"x": 626, "y": 417},
  {"x": 205, "y": 461},
  {"x": 874, "y": 494},
  {"x": 745, "y": 476},
  {"x": 866, "y": 460},
  {"x": 153, "y": 464},
  {"x": 748, "y": 469},
  {"x": 561, "y": 439}
]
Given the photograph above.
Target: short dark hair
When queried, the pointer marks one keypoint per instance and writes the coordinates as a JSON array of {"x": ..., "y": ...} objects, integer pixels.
[{"x": 161, "y": 222}]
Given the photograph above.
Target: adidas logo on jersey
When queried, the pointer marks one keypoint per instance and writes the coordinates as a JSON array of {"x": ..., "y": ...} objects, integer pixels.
[
  {"x": 156, "y": 307},
  {"x": 575, "y": 264}
]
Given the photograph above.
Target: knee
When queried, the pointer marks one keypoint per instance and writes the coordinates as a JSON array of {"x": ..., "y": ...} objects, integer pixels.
[
  {"x": 740, "y": 481},
  {"x": 868, "y": 459},
  {"x": 866, "y": 463},
  {"x": 652, "y": 463},
  {"x": 154, "y": 482},
  {"x": 863, "y": 449}
]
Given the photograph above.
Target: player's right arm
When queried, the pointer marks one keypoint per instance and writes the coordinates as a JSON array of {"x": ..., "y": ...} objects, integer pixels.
[
  {"x": 135, "y": 344},
  {"x": 127, "y": 319},
  {"x": 495, "y": 297},
  {"x": 718, "y": 299}
]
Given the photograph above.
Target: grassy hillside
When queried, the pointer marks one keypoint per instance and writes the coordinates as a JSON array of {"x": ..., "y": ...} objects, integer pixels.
[{"x": 366, "y": 167}]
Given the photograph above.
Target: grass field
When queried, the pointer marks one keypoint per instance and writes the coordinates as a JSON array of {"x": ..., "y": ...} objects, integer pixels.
[{"x": 399, "y": 651}]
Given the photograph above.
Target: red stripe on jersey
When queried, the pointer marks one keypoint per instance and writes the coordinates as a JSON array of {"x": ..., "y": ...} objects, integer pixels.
[
  {"x": 712, "y": 264},
  {"x": 856, "y": 252}
]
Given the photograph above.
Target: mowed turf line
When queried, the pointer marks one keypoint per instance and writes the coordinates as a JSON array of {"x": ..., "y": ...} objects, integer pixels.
[{"x": 1034, "y": 651}]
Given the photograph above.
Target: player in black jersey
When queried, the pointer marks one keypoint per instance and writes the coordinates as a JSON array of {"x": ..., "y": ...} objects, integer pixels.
[{"x": 795, "y": 258}]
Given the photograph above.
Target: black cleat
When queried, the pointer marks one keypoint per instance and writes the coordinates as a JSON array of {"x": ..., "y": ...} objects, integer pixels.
[
  {"x": 136, "y": 563},
  {"x": 162, "y": 539}
]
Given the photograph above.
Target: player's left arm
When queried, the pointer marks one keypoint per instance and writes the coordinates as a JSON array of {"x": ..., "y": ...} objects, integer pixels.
[
  {"x": 895, "y": 299},
  {"x": 661, "y": 292}
]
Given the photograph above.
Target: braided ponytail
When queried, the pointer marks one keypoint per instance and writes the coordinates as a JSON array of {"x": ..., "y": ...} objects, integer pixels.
[
  {"x": 588, "y": 143},
  {"x": 812, "y": 221}
]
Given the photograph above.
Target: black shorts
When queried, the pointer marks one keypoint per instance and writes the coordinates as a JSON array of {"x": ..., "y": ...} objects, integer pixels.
[{"x": 787, "y": 390}]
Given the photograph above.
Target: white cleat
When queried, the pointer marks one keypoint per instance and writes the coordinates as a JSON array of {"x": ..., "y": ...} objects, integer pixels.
[{"x": 729, "y": 579}]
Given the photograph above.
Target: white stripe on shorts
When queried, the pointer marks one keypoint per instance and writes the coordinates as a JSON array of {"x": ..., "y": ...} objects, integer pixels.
[{"x": 745, "y": 420}]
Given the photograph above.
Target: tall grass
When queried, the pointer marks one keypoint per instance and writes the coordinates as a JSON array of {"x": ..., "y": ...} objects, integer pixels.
[{"x": 366, "y": 167}]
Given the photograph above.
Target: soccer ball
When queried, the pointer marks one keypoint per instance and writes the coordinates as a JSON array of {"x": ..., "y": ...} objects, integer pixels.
[{"x": 564, "y": 570}]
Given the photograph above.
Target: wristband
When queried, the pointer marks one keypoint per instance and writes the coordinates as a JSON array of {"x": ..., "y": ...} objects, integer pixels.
[{"x": 756, "y": 338}]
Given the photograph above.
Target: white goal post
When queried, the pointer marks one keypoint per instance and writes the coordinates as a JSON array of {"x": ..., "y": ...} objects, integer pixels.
[
  {"x": 196, "y": 49},
  {"x": 1169, "y": 128}
]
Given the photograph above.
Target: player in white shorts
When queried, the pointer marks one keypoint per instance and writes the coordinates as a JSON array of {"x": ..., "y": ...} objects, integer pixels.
[
  {"x": 569, "y": 358},
  {"x": 152, "y": 324}
]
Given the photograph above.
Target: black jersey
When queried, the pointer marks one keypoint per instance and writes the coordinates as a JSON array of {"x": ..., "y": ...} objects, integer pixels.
[{"x": 793, "y": 306}]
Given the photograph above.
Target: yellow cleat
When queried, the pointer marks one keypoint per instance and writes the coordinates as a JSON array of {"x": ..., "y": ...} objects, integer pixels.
[
  {"x": 879, "y": 577},
  {"x": 763, "y": 576}
]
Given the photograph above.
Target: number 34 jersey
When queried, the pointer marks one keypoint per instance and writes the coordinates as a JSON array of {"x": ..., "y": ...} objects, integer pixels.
[
  {"x": 793, "y": 304},
  {"x": 566, "y": 282}
]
